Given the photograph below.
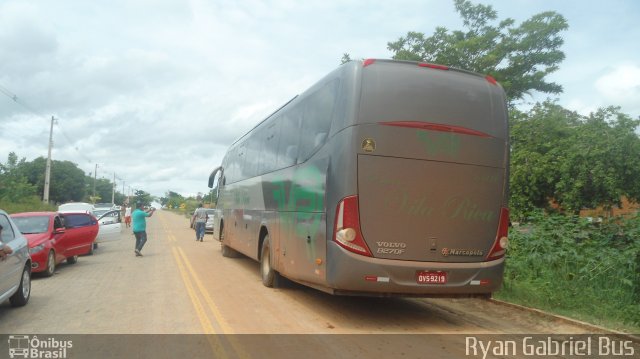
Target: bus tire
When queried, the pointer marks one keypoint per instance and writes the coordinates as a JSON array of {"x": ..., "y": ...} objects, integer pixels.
[
  {"x": 229, "y": 252},
  {"x": 270, "y": 278}
]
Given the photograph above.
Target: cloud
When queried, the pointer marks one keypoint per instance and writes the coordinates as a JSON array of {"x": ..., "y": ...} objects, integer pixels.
[
  {"x": 620, "y": 86},
  {"x": 157, "y": 91}
]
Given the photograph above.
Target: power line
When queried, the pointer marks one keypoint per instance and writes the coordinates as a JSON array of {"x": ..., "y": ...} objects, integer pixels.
[
  {"x": 19, "y": 101},
  {"x": 71, "y": 142}
]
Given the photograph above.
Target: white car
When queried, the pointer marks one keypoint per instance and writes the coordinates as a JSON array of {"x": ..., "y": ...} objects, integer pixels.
[
  {"x": 77, "y": 207},
  {"x": 105, "y": 206},
  {"x": 110, "y": 226}
]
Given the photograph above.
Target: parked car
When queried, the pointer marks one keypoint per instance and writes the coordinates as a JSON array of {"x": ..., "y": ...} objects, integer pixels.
[
  {"x": 110, "y": 226},
  {"x": 76, "y": 207},
  {"x": 104, "y": 206},
  {"x": 209, "y": 213},
  {"x": 15, "y": 267},
  {"x": 55, "y": 237},
  {"x": 111, "y": 217},
  {"x": 208, "y": 226}
]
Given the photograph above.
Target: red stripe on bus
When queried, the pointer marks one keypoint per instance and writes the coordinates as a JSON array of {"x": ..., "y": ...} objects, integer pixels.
[
  {"x": 436, "y": 127},
  {"x": 433, "y": 66}
]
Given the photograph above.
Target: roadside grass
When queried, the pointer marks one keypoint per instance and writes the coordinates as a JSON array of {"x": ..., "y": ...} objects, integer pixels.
[
  {"x": 30, "y": 204},
  {"x": 568, "y": 266}
]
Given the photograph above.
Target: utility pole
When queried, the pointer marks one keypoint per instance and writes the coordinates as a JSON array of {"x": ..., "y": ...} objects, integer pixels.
[
  {"x": 95, "y": 175},
  {"x": 47, "y": 173},
  {"x": 113, "y": 189}
]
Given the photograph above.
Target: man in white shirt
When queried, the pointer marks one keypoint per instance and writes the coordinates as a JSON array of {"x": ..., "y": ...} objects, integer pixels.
[{"x": 200, "y": 221}]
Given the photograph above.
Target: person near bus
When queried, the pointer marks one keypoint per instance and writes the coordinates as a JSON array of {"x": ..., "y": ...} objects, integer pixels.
[
  {"x": 139, "y": 217},
  {"x": 200, "y": 221},
  {"x": 127, "y": 216}
]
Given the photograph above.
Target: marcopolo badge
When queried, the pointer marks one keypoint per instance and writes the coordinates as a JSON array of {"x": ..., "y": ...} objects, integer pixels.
[{"x": 368, "y": 145}]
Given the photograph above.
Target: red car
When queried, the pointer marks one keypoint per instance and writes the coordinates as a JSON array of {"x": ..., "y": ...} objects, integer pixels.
[{"x": 54, "y": 237}]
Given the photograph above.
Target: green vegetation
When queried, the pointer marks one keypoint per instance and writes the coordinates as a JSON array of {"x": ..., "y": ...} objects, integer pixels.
[
  {"x": 573, "y": 161},
  {"x": 519, "y": 57},
  {"x": 569, "y": 266},
  {"x": 187, "y": 205},
  {"x": 28, "y": 204},
  {"x": 22, "y": 185},
  {"x": 143, "y": 197}
]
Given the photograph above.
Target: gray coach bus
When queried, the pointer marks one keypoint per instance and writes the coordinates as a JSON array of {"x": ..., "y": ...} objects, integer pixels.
[{"x": 384, "y": 178}]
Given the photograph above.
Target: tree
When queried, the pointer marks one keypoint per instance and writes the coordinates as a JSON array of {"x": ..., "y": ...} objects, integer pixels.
[
  {"x": 104, "y": 189},
  {"x": 143, "y": 197},
  {"x": 601, "y": 162},
  {"x": 67, "y": 181},
  {"x": 536, "y": 139},
  {"x": 14, "y": 186},
  {"x": 345, "y": 58},
  {"x": 520, "y": 58},
  {"x": 212, "y": 197},
  {"x": 172, "y": 200},
  {"x": 574, "y": 161}
]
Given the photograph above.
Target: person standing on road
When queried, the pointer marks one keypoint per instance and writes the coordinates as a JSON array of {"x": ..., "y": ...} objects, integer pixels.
[
  {"x": 127, "y": 216},
  {"x": 200, "y": 219},
  {"x": 140, "y": 226}
]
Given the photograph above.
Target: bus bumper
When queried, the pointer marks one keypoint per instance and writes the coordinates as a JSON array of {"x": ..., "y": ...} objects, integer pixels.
[{"x": 352, "y": 274}]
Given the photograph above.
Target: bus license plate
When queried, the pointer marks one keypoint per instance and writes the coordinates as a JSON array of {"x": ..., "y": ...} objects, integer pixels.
[{"x": 431, "y": 277}]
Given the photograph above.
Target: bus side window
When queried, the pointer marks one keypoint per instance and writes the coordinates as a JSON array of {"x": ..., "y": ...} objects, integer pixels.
[
  {"x": 253, "y": 155},
  {"x": 241, "y": 161},
  {"x": 269, "y": 139},
  {"x": 317, "y": 119},
  {"x": 232, "y": 166},
  {"x": 289, "y": 137}
]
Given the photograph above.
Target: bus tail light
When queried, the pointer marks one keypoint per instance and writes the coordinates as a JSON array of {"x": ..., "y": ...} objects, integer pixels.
[
  {"x": 491, "y": 80},
  {"x": 347, "y": 231},
  {"x": 502, "y": 241}
]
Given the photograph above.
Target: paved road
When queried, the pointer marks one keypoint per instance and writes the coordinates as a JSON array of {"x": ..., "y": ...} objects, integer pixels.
[{"x": 181, "y": 286}]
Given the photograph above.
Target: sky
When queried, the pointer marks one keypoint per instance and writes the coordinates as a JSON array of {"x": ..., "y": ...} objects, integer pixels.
[{"x": 155, "y": 91}]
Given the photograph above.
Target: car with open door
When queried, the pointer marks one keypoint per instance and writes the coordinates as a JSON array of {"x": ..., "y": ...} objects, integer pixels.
[
  {"x": 110, "y": 226},
  {"x": 55, "y": 237}
]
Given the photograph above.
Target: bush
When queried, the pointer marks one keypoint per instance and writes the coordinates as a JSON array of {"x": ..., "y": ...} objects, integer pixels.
[
  {"x": 29, "y": 204},
  {"x": 573, "y": 267}
]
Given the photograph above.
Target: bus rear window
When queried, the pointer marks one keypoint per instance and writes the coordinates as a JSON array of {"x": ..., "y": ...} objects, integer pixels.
[{"x": 404, "y": 92}]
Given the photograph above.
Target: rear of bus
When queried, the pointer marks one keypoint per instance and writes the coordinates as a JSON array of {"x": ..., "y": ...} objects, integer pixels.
[{"x": 428, "y": 215}]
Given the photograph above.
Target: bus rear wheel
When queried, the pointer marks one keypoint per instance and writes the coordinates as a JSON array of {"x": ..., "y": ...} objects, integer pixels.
[{"x": 270, "y": 278}]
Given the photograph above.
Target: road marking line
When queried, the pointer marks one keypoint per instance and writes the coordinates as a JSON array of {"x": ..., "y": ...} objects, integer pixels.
[
  {"x": 226, "y": 328},
  {"x": 214, "y": 342},
  {"x": 214, "y": 308},
  {"x": 204, "y": 319}
]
